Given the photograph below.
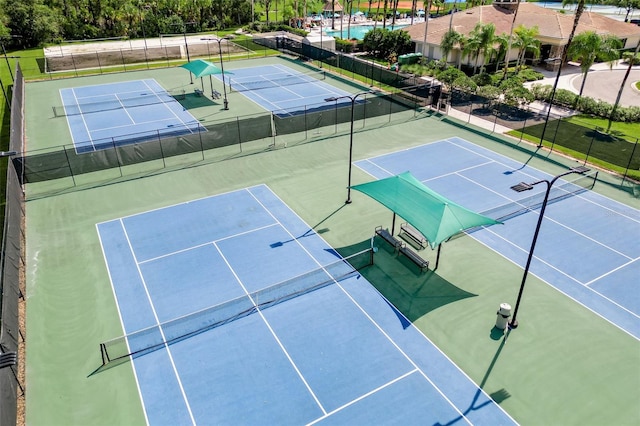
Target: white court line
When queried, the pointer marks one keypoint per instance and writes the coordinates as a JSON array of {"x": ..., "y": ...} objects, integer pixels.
[
  {"x": 382, "y": 330},
  {"x": 83, "y": 121},
  {"x": 605, "y": 207},
  {"x": 209, "y": 242},
  {"x": 547, "y": 217},
  {"x": 155, "y": 315},
  {"x": 361, "y": 397},
  {"x": 125, "y": 109},
  {"x": 611, "y": 272},
  {"x": 556, "y": 288},
  {"x": 448, "y": 141},
  {"x": 115, "y": 298},
  {"x": 273, "y": 333}
]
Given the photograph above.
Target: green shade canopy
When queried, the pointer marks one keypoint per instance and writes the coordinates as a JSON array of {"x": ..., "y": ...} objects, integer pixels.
[
  {"x": 435, "y": 216},
  {"x": 202, "y": 68}
]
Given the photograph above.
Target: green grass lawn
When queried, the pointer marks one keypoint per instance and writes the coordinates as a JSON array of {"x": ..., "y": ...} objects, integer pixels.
[{"x": 583, "y": 136}]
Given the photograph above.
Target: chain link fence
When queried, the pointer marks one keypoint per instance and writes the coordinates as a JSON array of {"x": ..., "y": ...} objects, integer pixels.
[
  {"x": 12, "y": 264},
  {"x": 566, "y": 134}
]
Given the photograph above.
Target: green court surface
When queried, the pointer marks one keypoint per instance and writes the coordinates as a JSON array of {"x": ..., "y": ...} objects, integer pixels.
[{"x": 563, "y": 365}]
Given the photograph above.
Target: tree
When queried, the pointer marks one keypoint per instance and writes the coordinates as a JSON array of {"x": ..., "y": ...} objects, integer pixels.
[
  {"x": 33, "y": 21},
  {"x": 448, "y": 76},
  {"x": 499, "y": 49},
  {"x": 449, "y": 41},
  {"x": 383, "y": 43},
  {"x": 526, "y": 42},
  {"x": 563, "y": 57},
  {"x": 479, "y": 42},
  {"x": 589, "y": 46},
  {"x": 624, "y": 81},
  {"x": 628, "y": 5}
]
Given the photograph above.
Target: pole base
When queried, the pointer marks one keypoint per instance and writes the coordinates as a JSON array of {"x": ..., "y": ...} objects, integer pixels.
[
  {"x": 513, "y": 324},
  {"x": 348, "y": 201}
]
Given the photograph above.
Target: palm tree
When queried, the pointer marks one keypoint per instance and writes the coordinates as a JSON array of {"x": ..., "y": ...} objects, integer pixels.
[
  {"x": 395, "y": 11},
  {"x": 425, "y": 52},
  {"x": 487, "y": 38},
  {"x": 449, "y": 41},
  {"x": 384, "y": 18},
  {"x": 563, "y": 57},
  {"x": 510, "y": 40},
  {"x": 414, "y": 9},
  {"x": 526, "y": 41},
  {"x": 589, "y": 46},
  {"x": 624, "y": 81},
  {"x": 479, "y": 42},
  {"x": 500, "y": 48}
]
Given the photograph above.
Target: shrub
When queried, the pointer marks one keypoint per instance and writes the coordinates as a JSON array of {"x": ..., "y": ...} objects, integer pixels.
[
  {"x": 448, "y": 76},
  {"x": 530, "y": 75},
  {"x": 465, "y": 83},
  {"x": 517, "y": 95},
  {"x": 565, "y": 98},
  {"x": 482, "y": 79},
  {"x": 344, "y": 45},
  {"x": 629, "y": 57}
]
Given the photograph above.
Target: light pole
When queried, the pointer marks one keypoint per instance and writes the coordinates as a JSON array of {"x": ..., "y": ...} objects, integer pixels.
[
  {"x": 186, "y": 45},
  {"x": 526, "y": 187},
  {"x": 224, "y": 88},
  {"x": 353, "y": 102}
]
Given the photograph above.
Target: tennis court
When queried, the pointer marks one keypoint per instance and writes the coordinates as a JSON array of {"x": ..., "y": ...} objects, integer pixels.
[
  {"x": 336, "y": 352},
  {"x": 107, "y": 115},
  {"x": 284, "y": 91},
  {"x": 578, "y": 251}
]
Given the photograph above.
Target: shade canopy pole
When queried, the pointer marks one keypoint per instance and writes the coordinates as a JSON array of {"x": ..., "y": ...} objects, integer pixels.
[{"x": 393, "y": 224}]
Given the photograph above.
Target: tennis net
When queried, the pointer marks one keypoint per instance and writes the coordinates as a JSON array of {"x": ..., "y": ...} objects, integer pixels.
[
  {"x": 560, "y": 191},
  {"x": 274, "y": 80},
  {"x": 158, "y": 336},
  {"x": 120, "y": 101}
]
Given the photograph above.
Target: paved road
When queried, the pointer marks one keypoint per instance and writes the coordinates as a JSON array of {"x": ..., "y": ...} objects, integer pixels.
[
  {"x": 602, "y": 83},
  {"x": 606, "y": 84}
]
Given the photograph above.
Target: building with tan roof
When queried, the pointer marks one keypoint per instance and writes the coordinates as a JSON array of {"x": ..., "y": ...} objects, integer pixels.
[{"x": 554, "y": 28}]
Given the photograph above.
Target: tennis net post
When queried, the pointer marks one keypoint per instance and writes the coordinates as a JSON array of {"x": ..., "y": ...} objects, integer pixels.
[{"x": 161, "y": 335}]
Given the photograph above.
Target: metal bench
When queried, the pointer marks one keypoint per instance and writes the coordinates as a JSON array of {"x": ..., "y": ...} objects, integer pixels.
[
  {"x": 414, "y": 257},
  {"x": 414, "y": 236},
  {"x": 386, "y": 235}
]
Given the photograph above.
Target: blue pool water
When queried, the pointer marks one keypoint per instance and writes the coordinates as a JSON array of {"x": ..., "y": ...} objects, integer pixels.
[{"x": 357, "y": 31}]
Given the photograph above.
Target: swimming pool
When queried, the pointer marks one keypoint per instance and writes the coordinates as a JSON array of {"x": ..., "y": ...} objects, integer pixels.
[{"x": 357, "y": 31}]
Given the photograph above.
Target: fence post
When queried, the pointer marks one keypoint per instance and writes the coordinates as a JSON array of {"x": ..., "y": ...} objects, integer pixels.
[
  {"x": 164, "y": 163},
  {"x": 629, "y": 162},
  {"x": 586, "y": 158},
  {"x": 73, "y": 179},
  {"x": 99, "y": 64},
  {"x": 73, "y": 60},
  {"x": 124, "y": 66},
  {"x": 239, "y": 134},
  {"x": 555, "y": 134},
  {"x": 115, "y": 149},
  {"x": 305, "y": 123},
  {"x": 201, "y": 143}
]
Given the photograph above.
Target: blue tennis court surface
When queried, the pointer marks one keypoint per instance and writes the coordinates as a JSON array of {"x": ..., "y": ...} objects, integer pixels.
[
  {"x": 284, "y": 91},
  {"x": 109, "y": 115},
  {"x": 588, "y": 244},
  {"x": 338, "y": 355}
]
